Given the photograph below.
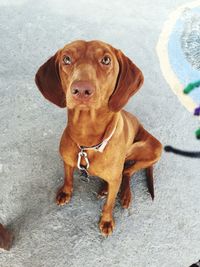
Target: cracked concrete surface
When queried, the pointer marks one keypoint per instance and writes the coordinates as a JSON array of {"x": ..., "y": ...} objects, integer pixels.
[{"x": 165, "y": 232}]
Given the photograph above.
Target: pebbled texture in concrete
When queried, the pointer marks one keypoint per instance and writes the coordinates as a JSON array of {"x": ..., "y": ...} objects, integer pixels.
[{"x": 163, "y": 233}]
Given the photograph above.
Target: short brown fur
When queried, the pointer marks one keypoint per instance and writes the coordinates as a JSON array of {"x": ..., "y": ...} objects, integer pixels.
[{"x": 131, "y": 147}]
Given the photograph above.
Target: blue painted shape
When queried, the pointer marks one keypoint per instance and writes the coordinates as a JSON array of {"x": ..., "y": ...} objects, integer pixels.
[{"x": 181, "y": 67}]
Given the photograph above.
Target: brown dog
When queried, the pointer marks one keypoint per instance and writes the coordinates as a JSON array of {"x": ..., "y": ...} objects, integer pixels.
[{"x": 95, "y": 80}]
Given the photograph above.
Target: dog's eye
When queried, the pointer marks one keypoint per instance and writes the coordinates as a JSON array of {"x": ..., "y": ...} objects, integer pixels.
[
  {"x": 67, "y": 60},
  {"x": 106, "y": 60}
]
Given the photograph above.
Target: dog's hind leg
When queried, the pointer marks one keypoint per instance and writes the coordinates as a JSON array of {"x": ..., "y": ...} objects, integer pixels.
[{"x": 142, "y": 154}]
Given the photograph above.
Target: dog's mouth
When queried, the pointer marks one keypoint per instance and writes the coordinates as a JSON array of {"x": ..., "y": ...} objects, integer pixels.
[{"x": 84, "y": 101}]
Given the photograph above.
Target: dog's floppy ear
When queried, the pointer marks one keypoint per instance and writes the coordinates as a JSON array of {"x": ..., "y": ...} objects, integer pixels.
[
  {"x": 130, "y": 79},
  {"x": 48, "y": 81}
]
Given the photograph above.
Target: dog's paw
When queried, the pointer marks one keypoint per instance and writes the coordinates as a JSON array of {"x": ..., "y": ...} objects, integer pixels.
[
  {"x": 125, "y": 198},
  {"x": 106, "y": 227},
  {"x": 63, "y": 197}
]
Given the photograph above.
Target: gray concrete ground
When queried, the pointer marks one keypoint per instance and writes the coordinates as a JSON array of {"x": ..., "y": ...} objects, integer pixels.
[{"x": 163, "y": 233}]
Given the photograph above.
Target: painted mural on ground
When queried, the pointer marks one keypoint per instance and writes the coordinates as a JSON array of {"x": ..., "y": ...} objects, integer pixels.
[{"x": 178, "y": 50}]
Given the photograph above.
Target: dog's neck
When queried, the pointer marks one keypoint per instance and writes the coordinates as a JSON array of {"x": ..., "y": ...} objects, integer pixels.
[{"x": 90, "y": 127}]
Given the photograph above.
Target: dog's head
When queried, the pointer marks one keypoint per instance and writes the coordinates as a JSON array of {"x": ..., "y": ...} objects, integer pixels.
[{"x": 89, "y": 75}]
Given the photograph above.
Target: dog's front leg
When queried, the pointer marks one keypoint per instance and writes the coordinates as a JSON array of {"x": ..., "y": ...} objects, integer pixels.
[
  {"x": 65, "y": 192},
  {"x": 107, "y": 223}
]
